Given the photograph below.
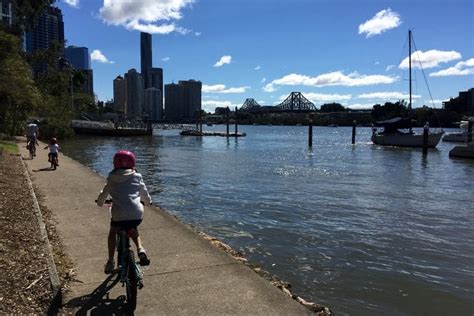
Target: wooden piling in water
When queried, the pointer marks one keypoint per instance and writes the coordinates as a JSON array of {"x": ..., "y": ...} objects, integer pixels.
[
  {"x": 236, "y": 123},
  {"x": 227, "y": 121},
  {"x": 426, "y": 130},
  {"x": 354, "y": 123},
  {"x": 310, "y": 133},
  {"x": 469, "y": 131}
]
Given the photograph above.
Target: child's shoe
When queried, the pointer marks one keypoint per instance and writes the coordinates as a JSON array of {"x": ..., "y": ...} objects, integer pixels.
[
  {"x": 144, "y": 261},
  {"x": 109, "y": 267}
]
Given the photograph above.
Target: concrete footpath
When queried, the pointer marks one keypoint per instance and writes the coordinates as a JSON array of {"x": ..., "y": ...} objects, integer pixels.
[{"x": 187, "y": 274}]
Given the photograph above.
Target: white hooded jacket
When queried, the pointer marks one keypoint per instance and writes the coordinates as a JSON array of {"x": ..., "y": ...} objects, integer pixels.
[{"x": 126, "y": 187}]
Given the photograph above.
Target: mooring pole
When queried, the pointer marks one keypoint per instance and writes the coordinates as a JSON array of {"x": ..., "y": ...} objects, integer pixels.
[
  {"x": 310, "y": 132},
  {"x": 354, "y": 123},
  {"x": 426, "y": 130},
  {"x": 469, "y": 131},
  {"x": 197, "y": 121},
  {"x": 200, "y": 121},
  {"x": 236, "y": 123},
  {"x": 227, "y": 119}
]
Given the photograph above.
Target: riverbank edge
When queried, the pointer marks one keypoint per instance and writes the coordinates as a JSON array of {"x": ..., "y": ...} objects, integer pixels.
[{"x": 60, "y": 289}]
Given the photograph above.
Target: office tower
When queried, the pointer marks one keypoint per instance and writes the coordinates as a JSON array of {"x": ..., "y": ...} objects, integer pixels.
[
  {"x": 6, "y": 12},
  {"x": 157, "y": 82},
  {"x": 134, "y": 93},
  {"x": 174, "y": 102},
  {"x": 78, "y": 56},
  {"x": 153, "y": 101},
  {"x": 191, "y": 98},
  {"x": 146, "y": 58},
  {"x": 48, "y": 29},
  {"x": 119, "y": 95}
]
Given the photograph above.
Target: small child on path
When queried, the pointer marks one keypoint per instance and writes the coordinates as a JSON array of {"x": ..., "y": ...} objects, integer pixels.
[
  {"x": 53, "y": 152},
  {"x": 126, "y": 187}
]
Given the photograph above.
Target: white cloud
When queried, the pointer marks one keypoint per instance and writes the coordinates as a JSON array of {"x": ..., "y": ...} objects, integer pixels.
[
  {"x": 387, "y": 96},
  {"x": 211, "y": 105},
  {"x": 72, "y": 3},
  {"x": 429, "y": 59},
  {"x": 389, "y": 67},
  {"x": 224, "y": 60},
  {"x": 462, "y": 68},
  {"x": 197, "y": 33},
  {"x": 320, "y": 97},
  {"x": 221, "y": 88},
  {"x": 99, "y": 57},
  {"x": 144, "y": 14},
  {"x": 165, "y": 59},
  {"x": 263, "y": 80},
  {"x": 381, "y": 22},
  {"x": 257, "y": 68},
  {"x": 336, "y": 78},
  {"x": 359, "y": 106}
]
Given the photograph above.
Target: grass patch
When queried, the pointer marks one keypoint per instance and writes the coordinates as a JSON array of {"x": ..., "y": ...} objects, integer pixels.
[{"x": 8, "y": 147}]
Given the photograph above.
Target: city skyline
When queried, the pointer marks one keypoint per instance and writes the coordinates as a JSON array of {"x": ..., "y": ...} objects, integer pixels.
[{"x": 331, "y": 52}]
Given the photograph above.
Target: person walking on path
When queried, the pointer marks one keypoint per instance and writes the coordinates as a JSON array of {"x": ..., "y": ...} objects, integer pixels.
[{"x": 127, "y": 189}]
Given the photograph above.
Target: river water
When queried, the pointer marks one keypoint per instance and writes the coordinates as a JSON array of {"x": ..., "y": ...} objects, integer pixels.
[{"x": 366, "y": 230}]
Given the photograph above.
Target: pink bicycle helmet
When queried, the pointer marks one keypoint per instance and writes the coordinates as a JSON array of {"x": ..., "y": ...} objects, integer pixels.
[{"x": 124, "y": 159}]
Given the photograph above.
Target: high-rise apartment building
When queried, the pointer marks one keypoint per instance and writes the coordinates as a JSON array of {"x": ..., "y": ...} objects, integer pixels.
[
  {"x": 134, "y": 94},
  {"x": 153, "y": 99},
  {"x": 174, "y": 102},
  {"x": 119, "y": 95},
  {"x": 146, "y": 58},
  {"x": 48, "y": 29},
  {"x": 191, "y": 98},
  {"x": 157, "y": 82},
  {"x": 78, "y": 56},
  {"x": 6, "y": 12}
]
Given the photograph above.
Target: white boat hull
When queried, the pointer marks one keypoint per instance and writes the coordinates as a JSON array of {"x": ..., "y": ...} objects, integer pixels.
[{"x": 406, "y": 140}]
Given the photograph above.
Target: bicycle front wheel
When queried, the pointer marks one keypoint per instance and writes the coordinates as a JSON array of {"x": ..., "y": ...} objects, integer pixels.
[{"x": 132, "y": 282}]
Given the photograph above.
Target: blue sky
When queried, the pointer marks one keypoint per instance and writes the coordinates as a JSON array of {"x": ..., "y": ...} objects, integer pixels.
[{"x": 345, "y": 51}]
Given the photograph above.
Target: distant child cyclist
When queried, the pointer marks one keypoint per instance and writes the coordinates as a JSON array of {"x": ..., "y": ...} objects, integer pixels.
[
  {"x": 53, "y": 152},
  {"x": 126, "y": 187}
]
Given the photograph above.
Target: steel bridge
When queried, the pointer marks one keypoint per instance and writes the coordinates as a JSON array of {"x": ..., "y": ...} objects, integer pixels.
[{"x": 295, "y": 102}]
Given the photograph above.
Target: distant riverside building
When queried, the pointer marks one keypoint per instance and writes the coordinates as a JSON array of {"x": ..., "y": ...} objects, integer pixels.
[
  {"x": 174, "y": 102},
  {"x": 192, "y": 98},
  {"x": 465, "y": 101},
  {"x": 157, "y": 82},
  {"x": 182, "y": 100},
  {"x": 48, "y": 29},
  {"x": 134, "y": 94},
  {"x": 153, "y": 102},
  {"x": 78, "y": 56},
  {"x": 146, "y": 58},
  {"x": 6, "y": 12},
  {"x": 119, "y": 95}
]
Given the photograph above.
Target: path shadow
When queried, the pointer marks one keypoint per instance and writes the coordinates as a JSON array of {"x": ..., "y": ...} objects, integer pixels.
[
  {"x": 98, "y": 302},
  {"x": 43, "y": 169}
]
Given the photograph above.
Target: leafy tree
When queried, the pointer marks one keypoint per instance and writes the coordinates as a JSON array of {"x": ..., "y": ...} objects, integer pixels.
[
  {"x": 26, "y": 13},
  {"x": 332, "y": 107},
  {"x": 18, "y": 94},
  {"x": 390, "y": 110}
]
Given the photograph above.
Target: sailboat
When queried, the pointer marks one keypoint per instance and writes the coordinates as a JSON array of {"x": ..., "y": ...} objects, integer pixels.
[{"x": 392, "y": 134}]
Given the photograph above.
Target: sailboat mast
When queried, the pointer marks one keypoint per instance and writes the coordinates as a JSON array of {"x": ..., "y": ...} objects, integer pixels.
[{"x": 409, "y": 78}]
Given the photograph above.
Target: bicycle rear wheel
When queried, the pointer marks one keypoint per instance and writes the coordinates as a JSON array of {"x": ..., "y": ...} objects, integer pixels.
[{"x": 132, "y": 282}]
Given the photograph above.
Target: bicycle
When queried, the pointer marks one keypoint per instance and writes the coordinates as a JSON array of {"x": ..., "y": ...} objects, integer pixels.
[
  {"x": 54, "y": 161},
  {"x": 31, "y": 145},
  {"x": 129, "y": 271}
]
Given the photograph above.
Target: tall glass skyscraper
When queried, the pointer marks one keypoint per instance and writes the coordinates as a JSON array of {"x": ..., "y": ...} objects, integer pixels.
[
  {"x": 146, "y": 58},
  {"x": 78, "y": 56},
  {"x": 49, "y": 28}
]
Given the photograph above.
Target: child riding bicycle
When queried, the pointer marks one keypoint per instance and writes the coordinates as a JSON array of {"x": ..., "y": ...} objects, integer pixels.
[
  {"x": 53, "y": 152},
  {"x": 126, "y": 187}
]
